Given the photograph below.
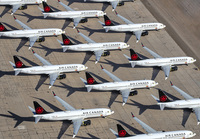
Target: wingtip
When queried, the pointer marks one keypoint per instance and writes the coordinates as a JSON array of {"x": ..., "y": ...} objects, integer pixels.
[
  {"x": 73, "y": 136},
  {"x": 115, "y": 12},
  {"x": 77, "y": 30},
  {"x": 49, "y": 86},
  {"x": 171, "y": 83},
  {"x": 132, "y": 114},
  {"x": 123, "y": 104},
  {"x": 58, "y": 0},
  {"x": 101, "y": 67},
  {"x": 14, "y": 17},
  {"x": 53, "y": 93},
  {"x": 33, "y": 51},
  {"x": 142, "y": 44}
]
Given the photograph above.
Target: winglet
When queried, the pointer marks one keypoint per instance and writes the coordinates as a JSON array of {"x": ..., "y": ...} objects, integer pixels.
[
  {"x": 116, "y": 12},
  {"x": 142, "y": 44},
  {"x": 33, "y": 51},
  {"x": 132, "y": 114},
  {"x": 101, "y": 67},
  {"x": 14, "y": 17},
  {"x": 53, "y": 93},
  {"x": 77, "y": 30},
  {"x": 73, "y": 136},
  {"x": 171, "y": 83}
]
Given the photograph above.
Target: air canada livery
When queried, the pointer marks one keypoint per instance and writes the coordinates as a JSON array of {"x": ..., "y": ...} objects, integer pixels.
[
  {"x": 114, "y": 3},
  {"x": 126, "y": 88},
  {"x": 140, "y": 29},
  {"x": 54, "y": 71},
  {"x": 166, "y": 64},
  {"x": 152, "y": 134},
  {"x": 19, "y": 4},
  {"x": 189, "y": 102},
  {"x": 32, "y": 34},
  {"x": 97, "y": 48},
  {"x": 77, "y": 16},
  {"x": 76, "y": 116}
]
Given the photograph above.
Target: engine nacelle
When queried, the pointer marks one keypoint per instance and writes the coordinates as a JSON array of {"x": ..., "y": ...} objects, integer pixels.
[
  {"x": 86, "y": 122},
  {"x": 145, "y": 33},
  {"x": 132, "y": 93},
  {"x": 174, "y": 68},
  {"x": 84, "y": 20},
  {"x": 121, "y": 3},
  {"x": 40, "y": 39},
  {"x": 61, "y": 76},
  {"x": 23, "y": 7},
  {"x": 106, "y": 53}
]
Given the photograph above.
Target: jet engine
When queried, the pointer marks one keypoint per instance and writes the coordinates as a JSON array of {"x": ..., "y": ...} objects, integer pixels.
[
  {"x": 22, "y": 7},
  {"x": 132, "y": 93},
  {"x": 144, "y": 33},
  {"x": 40, "y": 39},
  {"x": 174, "y": 68},
  {"x": 86, "y": 122},
  {"x": 61, "y": 76},
  {"x": 106, "y": 53},
  {"x": 121, "y": 3},
  {"x": 84, "y": 20}
]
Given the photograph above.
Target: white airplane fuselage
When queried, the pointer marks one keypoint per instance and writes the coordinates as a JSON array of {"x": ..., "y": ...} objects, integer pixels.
[
  {"x": 71, "y": 115},
  {"x": 32, "y": 32},
  {"x": 74, "y": 14},
  {"x": 52, "y": 68},
  {"x": 191, "y": 103},
  {"x": 163, "y": 135},
  {"x": 124, "y": 85},
  {"x": 135, "y": 27},
  {"x": 24, "y": 2},
  {"x": 164, "y": 61},
  {"x": 96, "y": 46}
]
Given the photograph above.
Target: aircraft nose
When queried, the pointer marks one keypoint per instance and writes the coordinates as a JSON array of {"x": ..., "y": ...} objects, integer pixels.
[
  {"x": 164, "y": 26},
  {"x": 112, "y": 112},
  {"x": 156, "y": 83},
  {"x": 86, "y": 67}
]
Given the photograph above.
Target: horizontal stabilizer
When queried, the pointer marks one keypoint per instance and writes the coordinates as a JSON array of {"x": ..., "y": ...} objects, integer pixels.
[
  {"x": 114, "y": 132},
  {"x": 89, "y": 88},
  {"x": 17, "y": 72},
  {"x": 64, "y": 48},
  {"x": 45, "y": 15},
  {"x": 60, "y": 42},
  {"x": 132, "y": 64},
  {"x": 127, "y": 57},
  {"x": 37, "y": 119},
  {"x": 155, "y": 98},
  {"x": 12, "y": 64},
  {"x": 162, "y": 106},
  {"x": 40, "y": 9},
  {"x": 84, "y": 81},
  {"x": 32, "y": 110},
  {"x": 101, "y": 23}
]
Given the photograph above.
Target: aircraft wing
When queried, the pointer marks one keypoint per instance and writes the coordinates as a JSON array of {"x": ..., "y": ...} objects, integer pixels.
[
  {"x": 113, "y": 77},
  {"x": 32, "y": 40},
  {"x": 66, "y": 7},
  {"x": 138, "y": 34},
  {"x": 15, "y": 7},
  {"x": 114, "y": 4},
  {"x": 123, "y": 18},
  {"x": 53, "y": 77},
  {"x": 22, "y": 24},
  {"x": 125, "y": 93},
  {"x": 145, "y": 126},
  {"x": 155, "y": 55},
  {"x": 44, "y": 61},
  {"x": 77, "y": 124},
  {"x": 64, "y": 104},
  {"x": 98, "y": 54},
  {"x": 86, "y": 38},
  {"x": 166, "y": 70},
  {"x": 76, "y": 21},
  {"x": 184, "y": 94},
  {"x": 197, "y": 113}
]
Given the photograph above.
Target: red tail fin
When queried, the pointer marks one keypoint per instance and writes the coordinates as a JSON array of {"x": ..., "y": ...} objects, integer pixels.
[
  {"x": 134, "y": 55},
  {"x": 107, "y": 21},
  {"x": 163, "y": 97},
  {"x": 66, "y": 40},
  {"x": 38, "y": 108},
  {"x": 121, "y": 131},
  {"x": 2, "y": 28},
  {"x": 90, "y": 79},
  {"x": 46, "y": 7},
  {"x": 18, "y": 63}
]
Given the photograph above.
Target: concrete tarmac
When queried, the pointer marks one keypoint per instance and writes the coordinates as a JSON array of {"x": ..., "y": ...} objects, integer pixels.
[{"x": 18, "y": 92}]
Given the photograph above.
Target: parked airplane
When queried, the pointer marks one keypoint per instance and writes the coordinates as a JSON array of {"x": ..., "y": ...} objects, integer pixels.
[
  {"x": 32, "y": 34},
  {"x": 19, "y": 4},
  {"x": 54, "y": 71},
  {"x": 98, "y": 49},
  {"x": 166, "y": 64},
  {"x": 152, "y": 133},
  {"x": 114, "y": 3},
  {"x": 140, "y": 29},
  {"x": 126, "y": 88},
  {"x": 189, "y": 102},
  {"x": 77, "y": 116},
  {"x": 77, "y": 16}
]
